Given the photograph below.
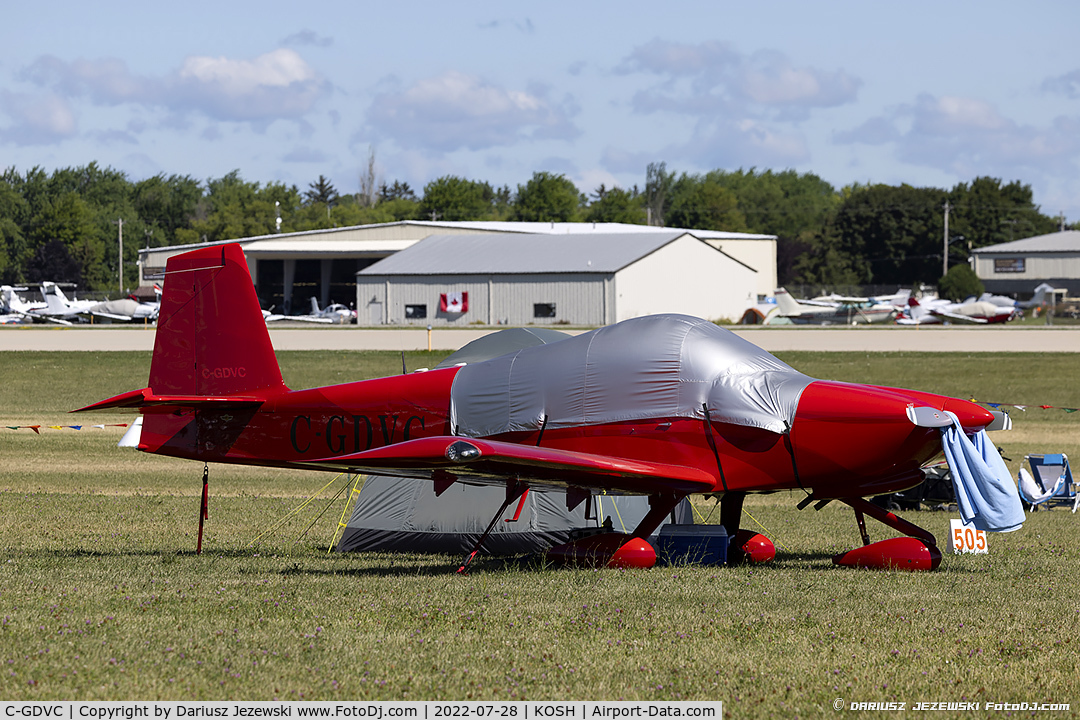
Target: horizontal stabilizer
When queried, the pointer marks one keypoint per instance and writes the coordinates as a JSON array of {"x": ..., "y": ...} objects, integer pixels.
[
  {"x": 478, "y": 459},
  {"x": 146, "y": 398}
]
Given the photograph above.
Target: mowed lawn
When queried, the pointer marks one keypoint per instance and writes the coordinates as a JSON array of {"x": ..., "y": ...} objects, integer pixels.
[{"x": 102, "y": 596}]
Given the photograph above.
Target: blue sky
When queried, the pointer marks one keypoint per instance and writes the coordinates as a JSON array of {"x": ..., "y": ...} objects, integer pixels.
[{"x": 927, "y": 93}]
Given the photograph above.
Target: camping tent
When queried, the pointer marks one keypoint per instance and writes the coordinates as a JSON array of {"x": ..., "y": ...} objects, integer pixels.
[{"x": 404, "y": 515}]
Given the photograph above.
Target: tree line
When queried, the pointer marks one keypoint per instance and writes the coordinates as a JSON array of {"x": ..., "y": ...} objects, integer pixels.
[{"x": 64, "y": 226}]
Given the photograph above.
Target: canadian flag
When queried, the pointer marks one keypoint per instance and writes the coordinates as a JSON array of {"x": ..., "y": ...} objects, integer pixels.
[{"x": 454, "y": 302}]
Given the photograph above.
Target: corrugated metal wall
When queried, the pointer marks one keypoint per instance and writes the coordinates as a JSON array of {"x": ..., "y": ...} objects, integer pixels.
[{"x": 501, "y": 299}]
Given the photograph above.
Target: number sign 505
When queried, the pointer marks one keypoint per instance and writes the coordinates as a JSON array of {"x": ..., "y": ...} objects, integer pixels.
[{"x": 966, "y": 539}]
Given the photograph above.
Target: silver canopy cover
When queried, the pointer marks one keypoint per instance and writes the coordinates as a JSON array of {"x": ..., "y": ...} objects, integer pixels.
[{"x": 651, "y": 367}]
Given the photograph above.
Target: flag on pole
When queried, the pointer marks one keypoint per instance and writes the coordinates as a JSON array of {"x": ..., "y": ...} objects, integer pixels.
[{"x": 454, "y": 302}]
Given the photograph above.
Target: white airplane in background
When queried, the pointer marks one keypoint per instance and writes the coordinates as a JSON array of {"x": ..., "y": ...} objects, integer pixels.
[
  {"x": 1042, "y": 295},
  {"x": 127, "y": 310},
  {"x": 935, "y": 311},
  {"x": 842, "y": 310},
  {"x": 333, "y": 314},
  {"x": 57, "y": 308},
  {"x": 15, "y": 309},
  {"x": 121, "y": 310}
]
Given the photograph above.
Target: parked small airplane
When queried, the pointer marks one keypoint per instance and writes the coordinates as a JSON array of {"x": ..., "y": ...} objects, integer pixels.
[
  {"x": 830, "y": 311},
  {"x": 333, "y": 314},
  {"x": 127, "y": 310},
  {"x": 1042, "y": 296},
  {"x": 15, "y": 309},
  {"x": 661, "y": 405},
  {"x": 57, "y": 308},
  {"x": 936, "y": 311}
]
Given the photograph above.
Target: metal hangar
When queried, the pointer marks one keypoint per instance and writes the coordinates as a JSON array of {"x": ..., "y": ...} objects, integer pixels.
[{"x": 572, "y": 279}]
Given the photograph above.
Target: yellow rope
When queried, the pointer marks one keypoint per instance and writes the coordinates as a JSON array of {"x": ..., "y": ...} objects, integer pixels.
[
  {"x": 344, "y": 511},
  {"x": 763, "y": 528},
  {"x": 303, "y": 505},
  {"x": 618, "y": 514},
  {"x": 323, "y": 511}
]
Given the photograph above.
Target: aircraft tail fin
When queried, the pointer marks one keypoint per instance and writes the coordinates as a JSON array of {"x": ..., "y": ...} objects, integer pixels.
[
  {"x": 786, "y": 304},
  {"x": 211, "y": 339},
  {"x": 915, "y": 310},
  {"x": 55, "y": 299}
]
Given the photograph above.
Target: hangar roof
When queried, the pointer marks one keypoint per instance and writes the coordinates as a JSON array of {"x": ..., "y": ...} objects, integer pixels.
[
  {"x": 1067, "y": 241},
  {"x": 516, "y": 253},
  {"x": 579, "y": 228},
  {"x": 284, "y": 247}
]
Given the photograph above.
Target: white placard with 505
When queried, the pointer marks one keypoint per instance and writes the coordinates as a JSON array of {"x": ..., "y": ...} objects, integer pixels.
[{"x": 966, "y": 538}]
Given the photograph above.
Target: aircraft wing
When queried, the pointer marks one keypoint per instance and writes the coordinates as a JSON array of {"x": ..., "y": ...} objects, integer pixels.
[
  {"x": 45, "y": 318},
  {"x": 957, "y": 317},
  {"x": 111, "y": 316},
  {"x": 310, "y": 319},
  {"x": 493, "y": 462}
]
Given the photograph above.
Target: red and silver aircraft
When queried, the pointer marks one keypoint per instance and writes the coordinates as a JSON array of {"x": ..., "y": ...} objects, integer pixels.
[{"x": 662, "y": 405}]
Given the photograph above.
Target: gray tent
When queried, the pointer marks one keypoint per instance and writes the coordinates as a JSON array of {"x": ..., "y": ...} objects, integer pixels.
[{"x": 402, "y": 514}]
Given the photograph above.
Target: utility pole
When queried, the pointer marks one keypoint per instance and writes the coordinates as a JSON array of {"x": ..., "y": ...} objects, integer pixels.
[
  {"x": 120, "y": 258},
  {"x": 945, "y": 244}
]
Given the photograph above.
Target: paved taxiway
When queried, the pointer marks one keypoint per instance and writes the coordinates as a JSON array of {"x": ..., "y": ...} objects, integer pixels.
[{"x": 868, "y": 339}]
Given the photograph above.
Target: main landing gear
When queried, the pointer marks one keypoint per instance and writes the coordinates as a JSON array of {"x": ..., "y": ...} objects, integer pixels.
[
  {"x": 917, "y": 551},
  {"x": 622, "y": 550}
]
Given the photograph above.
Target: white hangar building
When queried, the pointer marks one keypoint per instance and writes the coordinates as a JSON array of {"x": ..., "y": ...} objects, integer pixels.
[
  {"x": 578, "y": 279},
  {"x": 1017, "y": 267},
  {"x": 290, "y": 268}
]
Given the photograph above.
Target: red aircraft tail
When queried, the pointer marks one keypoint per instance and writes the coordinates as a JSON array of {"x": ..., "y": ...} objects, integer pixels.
[{"x": 211, "y": 337}]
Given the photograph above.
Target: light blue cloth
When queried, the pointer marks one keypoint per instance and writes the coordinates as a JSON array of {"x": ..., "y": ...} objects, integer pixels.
[{"x": 985, "y": 492}]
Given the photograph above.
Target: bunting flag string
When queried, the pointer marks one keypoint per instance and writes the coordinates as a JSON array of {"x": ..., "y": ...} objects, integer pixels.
[
  {"x": 1023, "y": 408},
  {"x": 38, "y": 428}
]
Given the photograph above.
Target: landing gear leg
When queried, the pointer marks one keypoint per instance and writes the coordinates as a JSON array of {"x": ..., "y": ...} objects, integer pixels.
[
  {"x": 730, "y": 517},
  {"x": 743, "y": 545},
  {"x": 917, "y": 551}
]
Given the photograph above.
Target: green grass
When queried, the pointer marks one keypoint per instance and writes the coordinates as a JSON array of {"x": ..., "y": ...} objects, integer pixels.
[{"x": 102, "y": 596}]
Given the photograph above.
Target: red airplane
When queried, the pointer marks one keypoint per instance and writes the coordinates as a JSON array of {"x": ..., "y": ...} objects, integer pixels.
[{"x": 662, "y": 405}]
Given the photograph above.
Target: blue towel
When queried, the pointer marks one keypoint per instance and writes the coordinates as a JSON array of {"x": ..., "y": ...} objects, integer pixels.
[{"x": 985, "y": 492}]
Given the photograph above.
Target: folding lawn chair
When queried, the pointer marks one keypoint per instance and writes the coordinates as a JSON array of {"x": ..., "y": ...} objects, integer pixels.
[{"x": 1049, "y": 482}]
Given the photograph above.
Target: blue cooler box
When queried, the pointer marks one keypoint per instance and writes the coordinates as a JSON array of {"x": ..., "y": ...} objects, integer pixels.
[{"x": 691, "y": 545}]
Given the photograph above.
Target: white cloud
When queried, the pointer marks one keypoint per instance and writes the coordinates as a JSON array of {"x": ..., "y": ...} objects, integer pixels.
[
  {"x": 743, "y": 143},
  {"x": 1067, "y": 84},
  {"x": 951, "y": 114},
  {"x": 36, "y": 119},
  {"x": 278, "y": 84},
  {"x": 454, "y": 110},
  {"x": 712, "y": 77},
  {"x": 970, "y": 137},
  {"x": 279, "y": 68},
  {"x": 308, "y": 37},
  {"x": 768, "y": 78}
]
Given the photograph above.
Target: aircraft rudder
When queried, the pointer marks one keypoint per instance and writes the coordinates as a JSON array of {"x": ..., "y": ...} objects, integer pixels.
[
  {"x": 785, "y": 303},
  {"x": 211, "y": 336}
]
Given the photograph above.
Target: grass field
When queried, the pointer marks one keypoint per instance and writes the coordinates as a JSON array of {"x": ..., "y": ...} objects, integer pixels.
[{"x": 102, "y": 596}]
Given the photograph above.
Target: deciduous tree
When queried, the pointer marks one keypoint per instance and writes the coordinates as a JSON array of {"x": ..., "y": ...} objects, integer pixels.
[{"x": 546, "y": 197}]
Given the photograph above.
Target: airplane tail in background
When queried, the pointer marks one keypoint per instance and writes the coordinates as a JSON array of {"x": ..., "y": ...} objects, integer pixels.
[
  {"x": 211, "y": 338},
  {"x": 55, "y": 299},
  {"x": 1041, "y": 296},
  {"x": 915, "y": 310},
  {"x": 786, "y": 304}
]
